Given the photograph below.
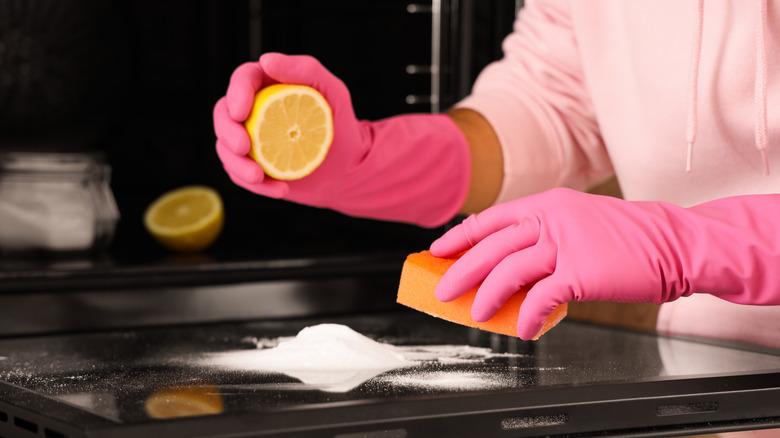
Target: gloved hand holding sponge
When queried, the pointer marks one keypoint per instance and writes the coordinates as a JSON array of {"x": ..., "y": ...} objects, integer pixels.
[{"x": 557, "y": 246}]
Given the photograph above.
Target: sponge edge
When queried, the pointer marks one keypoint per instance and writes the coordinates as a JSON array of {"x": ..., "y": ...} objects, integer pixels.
[{"x": 421, "y": 273}]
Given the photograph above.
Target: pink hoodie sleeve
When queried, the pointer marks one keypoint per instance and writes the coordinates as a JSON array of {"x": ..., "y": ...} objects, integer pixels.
[{"x": 537, "y": 101}]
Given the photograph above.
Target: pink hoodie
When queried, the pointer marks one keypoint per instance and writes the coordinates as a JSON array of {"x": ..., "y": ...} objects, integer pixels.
[{"x": 679, "y": 98}]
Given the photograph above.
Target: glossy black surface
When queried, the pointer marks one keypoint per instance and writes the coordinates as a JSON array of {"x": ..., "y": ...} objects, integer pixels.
[
  {"x": 80, "y": 273},
  {"x": 154, "y": 122},
  {"x": 113, "y": 375},
  {"x": 125, "y": 79}
]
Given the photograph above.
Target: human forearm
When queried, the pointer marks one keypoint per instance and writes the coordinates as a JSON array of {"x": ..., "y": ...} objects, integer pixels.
[{"x": 486, "y": 159}]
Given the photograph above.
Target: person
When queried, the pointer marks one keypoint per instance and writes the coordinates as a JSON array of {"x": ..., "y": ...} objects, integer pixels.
[{"x": 679, "y": 99}]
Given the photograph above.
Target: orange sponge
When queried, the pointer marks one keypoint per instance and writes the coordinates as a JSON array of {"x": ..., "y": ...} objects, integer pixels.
[{"x": 421, "y": 273}]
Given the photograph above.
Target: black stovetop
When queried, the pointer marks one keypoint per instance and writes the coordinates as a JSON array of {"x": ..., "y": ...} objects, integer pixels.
[{"x": 139, "y": 380}]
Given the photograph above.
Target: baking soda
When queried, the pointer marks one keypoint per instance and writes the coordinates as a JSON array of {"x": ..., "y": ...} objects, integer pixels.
[
  {"x": 450, "y": 353},
  {"x": 445, "y": 380},
  {"x": 329, "y": 357},
  {"x": 335, "y": 358},
  {"x": 44, "y": 214}
]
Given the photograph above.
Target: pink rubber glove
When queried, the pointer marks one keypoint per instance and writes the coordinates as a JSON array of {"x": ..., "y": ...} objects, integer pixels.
[
  {"x": 412, "y": 168},
  {"x": 576, "y": 246}
]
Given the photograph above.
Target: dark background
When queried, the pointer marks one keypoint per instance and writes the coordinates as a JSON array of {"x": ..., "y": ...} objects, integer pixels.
[{"x": 136, "y": 80}]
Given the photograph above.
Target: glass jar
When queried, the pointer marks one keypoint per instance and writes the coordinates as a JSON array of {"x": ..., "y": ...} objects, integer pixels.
[{"x": 55, "y": 202}]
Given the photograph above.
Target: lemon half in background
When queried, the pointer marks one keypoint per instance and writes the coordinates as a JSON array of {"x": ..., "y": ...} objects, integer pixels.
[
  {"x": 187, "y": 219},
  {"x": 291, "y": 129}
]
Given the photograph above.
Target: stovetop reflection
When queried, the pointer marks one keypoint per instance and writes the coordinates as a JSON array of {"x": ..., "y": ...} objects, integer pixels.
[{"x": 137, "y": 376}]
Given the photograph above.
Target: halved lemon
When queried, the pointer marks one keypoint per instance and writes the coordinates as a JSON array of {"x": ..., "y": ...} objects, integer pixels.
[
  {"x": 186, "y": 219},
  {"x": 291, "y": 129},
  {"x": 184, "y": 402}
]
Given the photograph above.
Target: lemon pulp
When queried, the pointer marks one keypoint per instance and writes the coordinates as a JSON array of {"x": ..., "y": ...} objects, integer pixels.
[
  {"x": 186, "y": 219},
  {"x": 291, "y": 130}
]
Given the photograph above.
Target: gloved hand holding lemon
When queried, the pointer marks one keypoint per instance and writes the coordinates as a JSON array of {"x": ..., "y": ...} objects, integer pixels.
[
  {"x": 286, "y": 129},
  {"x": 290, "y": 128},
  {"x": 295, "y": 118}
]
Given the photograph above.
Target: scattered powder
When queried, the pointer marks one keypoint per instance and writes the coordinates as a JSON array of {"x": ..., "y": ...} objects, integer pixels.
[
  {"x": 449, "y": 380},
  {"x": 516, "y": 423},
  {"x": 455, "y": 360},
  {"x": 539, "y": 368},
  {"x": 335, "y": 358},
  {"x": 450, "y": 353}
]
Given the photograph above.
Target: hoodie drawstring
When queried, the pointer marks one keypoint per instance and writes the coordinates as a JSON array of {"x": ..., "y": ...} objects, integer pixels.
[
  {"x": 693, "y": 85},
  {"x": 759, "y": 96},
  {"x": 760, "y": 90}
]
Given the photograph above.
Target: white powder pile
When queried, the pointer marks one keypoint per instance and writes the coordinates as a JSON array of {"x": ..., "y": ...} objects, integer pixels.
[
  {"x": 444, "y": 354},
  {"x": 335, "y": 358},
  {"x": 329, "y": 357}
]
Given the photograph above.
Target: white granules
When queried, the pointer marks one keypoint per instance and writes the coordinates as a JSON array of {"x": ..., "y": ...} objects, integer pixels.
[
  {"x": 448, "y": 380},
  {"x": 450, "y": 353},
  {"x": 335, "y": 358}
]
